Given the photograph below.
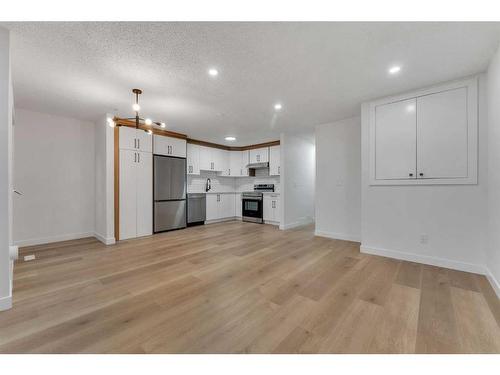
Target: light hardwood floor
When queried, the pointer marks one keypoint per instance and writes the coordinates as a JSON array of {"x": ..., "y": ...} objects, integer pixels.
[{"x": 242, "y": 288}]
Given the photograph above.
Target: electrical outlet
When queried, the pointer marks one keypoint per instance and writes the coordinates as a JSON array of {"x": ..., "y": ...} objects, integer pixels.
[{"x": 424, "y": 239}]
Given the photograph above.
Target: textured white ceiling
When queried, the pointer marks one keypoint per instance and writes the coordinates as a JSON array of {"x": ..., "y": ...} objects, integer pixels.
[{"x": 320, "y": 71}]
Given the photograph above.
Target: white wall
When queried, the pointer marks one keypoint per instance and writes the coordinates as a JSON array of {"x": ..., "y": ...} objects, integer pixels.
[
  {"x": 54, "y": 168},
  {"x": 5, "y": 171},
  {"x": 297, "y": 180},
  {"x": 338, "y": 179},
  {"x": 493, "y": 248},
  {"x": 104, "y": 181},
  {"x": 453, "y": 217}
]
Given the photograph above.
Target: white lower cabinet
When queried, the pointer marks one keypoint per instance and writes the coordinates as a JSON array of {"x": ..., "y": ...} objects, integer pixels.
[
  {"x": 220, "y": 206},
  {"x": 271, "y": 208},
  {"x": 212, "y": 207},
  {"x": 136, "y": 194},
  {"x": 238, "y": 205}
]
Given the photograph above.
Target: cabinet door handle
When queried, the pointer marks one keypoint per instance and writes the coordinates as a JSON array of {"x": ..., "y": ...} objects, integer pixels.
[
  {"x": 138, "y": 143},
  {"x": 421, "y": 174},
  {"x": 135, "y": 157},
  {"x": 278, "y": 169},
  {"x": 229, "y": 171},
  {"x": 410, "y": 174},
  {"x": 138, "y": 157}
]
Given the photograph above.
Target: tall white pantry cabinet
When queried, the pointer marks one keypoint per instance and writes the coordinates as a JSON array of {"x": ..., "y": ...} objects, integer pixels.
[
  {"x": 136, "y": 183},
  {"x": 426, "y": 137}
]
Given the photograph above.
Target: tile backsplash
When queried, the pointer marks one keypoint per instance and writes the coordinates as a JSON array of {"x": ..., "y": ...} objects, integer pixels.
[{"x": 196, "y": 184}]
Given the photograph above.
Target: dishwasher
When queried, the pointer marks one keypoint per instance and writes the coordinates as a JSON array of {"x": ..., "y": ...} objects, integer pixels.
[{"x": 196, "y": 208}]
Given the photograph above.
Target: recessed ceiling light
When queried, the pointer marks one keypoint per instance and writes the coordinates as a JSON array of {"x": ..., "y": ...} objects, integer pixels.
[
  {"x": 163, "y": 125},
  {"x": 278, "y": 106},
  {"x": 148, "y": 121},
  {"x": 136, "y": 107},
  {"x": 213, "y": 72},
  {"x": 410, "y": 108},
  {"x": 394, "y": 69},
  {"x": 230, "y": 139}
]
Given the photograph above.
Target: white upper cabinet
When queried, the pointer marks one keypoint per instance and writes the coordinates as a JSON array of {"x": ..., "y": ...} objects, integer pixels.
[
  {"x": 274, "y": 161},
  {"x": 224, "y": 163},
  {"x": 206, "y": 163},
  {"x": 169, "y": 146},
  {"x": 244, "y": 162},
  {"x": 134, "y": 139},
  {"x": 395, "y": 146},
  {"x": 425, "y": 137},
  {"x": 238, "y": 161},
  {"x": 235, "y": 169},
  {"x": 193, "y": 159},
  {"x": 442, "y": 134},
  {"x": 212, "y": 159},
  {"x": 259, "y": 155}
]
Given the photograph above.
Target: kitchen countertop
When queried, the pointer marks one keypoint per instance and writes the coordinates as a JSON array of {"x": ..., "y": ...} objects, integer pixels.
[{"x": 228, "y": 192}]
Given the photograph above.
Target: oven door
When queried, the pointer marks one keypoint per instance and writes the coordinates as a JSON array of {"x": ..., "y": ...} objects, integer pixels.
[{"x": 252, "y": 209}]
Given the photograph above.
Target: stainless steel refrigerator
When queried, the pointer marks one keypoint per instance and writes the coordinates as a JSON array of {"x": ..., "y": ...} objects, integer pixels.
[{"x": 169, "y": 193}]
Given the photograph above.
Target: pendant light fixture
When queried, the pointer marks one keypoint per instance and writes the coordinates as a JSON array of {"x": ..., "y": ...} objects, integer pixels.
[{"x": 138, "y": 120}]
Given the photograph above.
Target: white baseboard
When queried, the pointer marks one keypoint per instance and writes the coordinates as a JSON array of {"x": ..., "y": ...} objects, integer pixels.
[
  {"x": 6, "y": 303},
  {"x": 105, "y": 240},
  {"x": 270, "y": 222},
  {"x": 14, "y": 252},
  {"x": 45, "y": 240},
  {"x": 221, "y": 220},
  {"x": 299, "y": 223},
  {"x": 425, "y": 259},
  {"x": 337, "y": 236},
  {"x": 495, "y": 284}
]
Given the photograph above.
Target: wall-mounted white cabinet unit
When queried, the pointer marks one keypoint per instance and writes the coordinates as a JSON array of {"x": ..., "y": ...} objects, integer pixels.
[
  {"x": 136, "y": 194},
  {"x": 220, "y": 206},
  {"x": 271, "y": 209},
  {"x": 259, "y": 155},
  {"x": 135, "y": 139},
  {"x": 211, "y": 159},
  {"x": 274, "y": 161},
  {"x": 425, "y": 137},
  {"x": 169, "y": 146},
  {"x": 193, "y": 159},
  {"x": 238, "y": 161},
  {"x": 224, "y": 160}
]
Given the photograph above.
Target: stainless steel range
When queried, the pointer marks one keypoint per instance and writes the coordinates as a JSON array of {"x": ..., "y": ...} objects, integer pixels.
[{"x": 252, "y": 203}]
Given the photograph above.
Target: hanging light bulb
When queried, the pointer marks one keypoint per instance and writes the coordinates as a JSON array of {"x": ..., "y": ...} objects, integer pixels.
[
  {"x": 149, "y": 132},
  {"x": 136, "y": 107},
  {"x": 163, "y": 125},
  {"x": 148, "y": 121},
  {"x": 111, "y": 123}
]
